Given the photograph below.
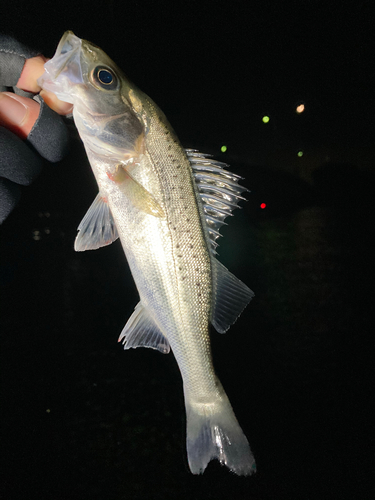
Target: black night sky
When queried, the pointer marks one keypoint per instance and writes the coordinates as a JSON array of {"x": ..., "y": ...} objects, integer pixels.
[{"x": 80, "y": 418}]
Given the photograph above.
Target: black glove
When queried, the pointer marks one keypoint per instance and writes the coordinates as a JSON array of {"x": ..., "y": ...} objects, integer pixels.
[{"x": 21, "y": 161}]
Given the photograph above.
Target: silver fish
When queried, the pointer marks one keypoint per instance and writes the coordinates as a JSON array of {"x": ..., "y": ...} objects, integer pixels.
[{"x": 166, "y": 205}]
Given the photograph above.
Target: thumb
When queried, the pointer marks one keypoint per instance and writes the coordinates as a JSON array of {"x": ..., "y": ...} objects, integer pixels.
[{"x": 17, "y": 113}]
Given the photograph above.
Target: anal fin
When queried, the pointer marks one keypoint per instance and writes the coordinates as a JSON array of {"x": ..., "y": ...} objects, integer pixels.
[{"x": 141, "y": 331}]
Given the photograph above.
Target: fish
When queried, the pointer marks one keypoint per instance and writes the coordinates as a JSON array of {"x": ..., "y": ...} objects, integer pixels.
[{"x": 166, "y": 204}]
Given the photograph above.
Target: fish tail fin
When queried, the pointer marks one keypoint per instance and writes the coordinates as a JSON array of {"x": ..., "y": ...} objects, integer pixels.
[{"x": 213, "y": 432}]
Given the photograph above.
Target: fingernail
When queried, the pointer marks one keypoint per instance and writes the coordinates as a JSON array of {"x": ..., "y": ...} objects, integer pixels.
[{"x": 12, "y": 111}]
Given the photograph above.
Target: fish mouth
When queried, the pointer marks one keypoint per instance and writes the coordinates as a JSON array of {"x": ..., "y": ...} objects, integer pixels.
[
  {"x": 64, "y": 69},
  {"x": 66, "y": 51}
]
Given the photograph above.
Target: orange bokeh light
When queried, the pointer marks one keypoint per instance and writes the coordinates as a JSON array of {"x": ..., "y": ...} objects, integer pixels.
[{"x": 300, "y": 108}]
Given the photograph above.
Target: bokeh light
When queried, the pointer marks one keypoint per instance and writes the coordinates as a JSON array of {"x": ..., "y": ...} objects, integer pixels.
[
  {"x": 265, "y": 119},
  {"x": 300, "y": 108},
  {"x": 223, "y": 149}
]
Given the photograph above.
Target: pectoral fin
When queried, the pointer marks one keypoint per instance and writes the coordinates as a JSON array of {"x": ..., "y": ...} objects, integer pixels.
[{"x": 135, "y": 192}]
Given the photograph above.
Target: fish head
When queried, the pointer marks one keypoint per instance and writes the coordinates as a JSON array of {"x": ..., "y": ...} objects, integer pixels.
[{"x": 82, "y": 74}]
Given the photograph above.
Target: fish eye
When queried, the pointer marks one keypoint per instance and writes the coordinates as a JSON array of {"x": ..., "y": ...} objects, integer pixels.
[{"x": 104, "y": 78}]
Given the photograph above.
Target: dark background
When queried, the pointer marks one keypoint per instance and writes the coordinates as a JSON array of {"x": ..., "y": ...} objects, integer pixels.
[{"x": 80, "y": 418}]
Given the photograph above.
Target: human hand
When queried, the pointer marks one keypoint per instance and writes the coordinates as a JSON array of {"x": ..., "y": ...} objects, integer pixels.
[{"x": 29, "y": 129}]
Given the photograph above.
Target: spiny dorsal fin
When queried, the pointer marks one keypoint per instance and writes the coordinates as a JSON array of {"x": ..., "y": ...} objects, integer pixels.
[
  {"x": 219, "y": 191},
  {"x": 141, "y": 331},
  {"x": 97, "y": 228}
]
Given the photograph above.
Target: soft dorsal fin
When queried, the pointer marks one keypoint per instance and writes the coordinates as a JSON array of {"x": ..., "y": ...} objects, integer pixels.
[
  {"x": 97, "y": 228},
  {"x": 219, "y": 191},
  {"x": 230, "y": 297},
  {"x": 141, "y": 331}
]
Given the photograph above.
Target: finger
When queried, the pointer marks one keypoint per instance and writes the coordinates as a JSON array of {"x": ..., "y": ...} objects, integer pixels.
[
  {"x": 32, "y": 70},
  {"x": 18, "y": 113},
  {"x": 61, "y": 107}
]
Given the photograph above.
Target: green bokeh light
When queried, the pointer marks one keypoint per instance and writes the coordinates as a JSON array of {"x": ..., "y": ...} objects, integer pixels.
[
  {"x": 265, "y": 119},
  {"x": 300, "y": 153},
  {"x": 223, "y": 149}
]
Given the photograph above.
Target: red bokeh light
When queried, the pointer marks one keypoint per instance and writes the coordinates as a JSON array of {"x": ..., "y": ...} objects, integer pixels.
[{"x": 263, "y": 205}]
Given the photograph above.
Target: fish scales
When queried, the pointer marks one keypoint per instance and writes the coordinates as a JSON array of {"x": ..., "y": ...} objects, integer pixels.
[
  {"x": 185, "y": 264},
  {"x": 191, "y": 260},
  {"x": 166, "y": 206}
]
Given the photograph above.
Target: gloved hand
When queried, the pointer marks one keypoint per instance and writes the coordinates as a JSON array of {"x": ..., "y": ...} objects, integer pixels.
[{"x": 29, "y": 129}]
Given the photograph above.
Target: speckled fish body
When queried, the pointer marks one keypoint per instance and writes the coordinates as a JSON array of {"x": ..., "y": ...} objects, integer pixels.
[{"x": 166, "y": 206}]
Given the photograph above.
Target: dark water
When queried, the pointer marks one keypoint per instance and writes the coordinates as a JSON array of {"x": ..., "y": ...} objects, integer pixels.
[{"x": 81, "y": 419}]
